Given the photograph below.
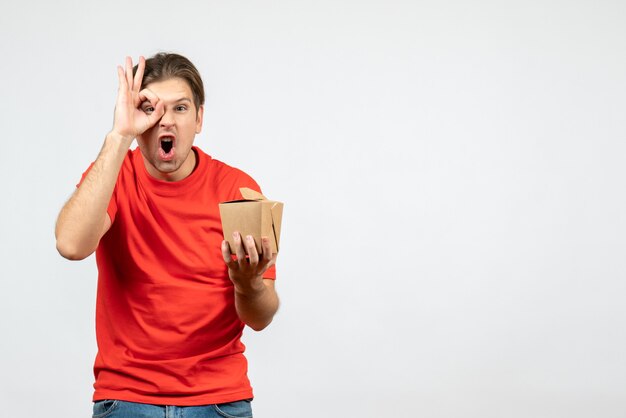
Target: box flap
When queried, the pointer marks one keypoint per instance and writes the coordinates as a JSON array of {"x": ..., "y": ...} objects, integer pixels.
[
  {"x": 277, "y": 215},
  {"x": 250, "y": 194}
]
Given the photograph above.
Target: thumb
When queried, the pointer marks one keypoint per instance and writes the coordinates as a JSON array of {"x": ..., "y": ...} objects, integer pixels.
[{"x": 155, "y": 116}]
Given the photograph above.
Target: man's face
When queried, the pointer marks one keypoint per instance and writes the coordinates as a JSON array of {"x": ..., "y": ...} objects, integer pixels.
[{"x": 166, "y": 147}]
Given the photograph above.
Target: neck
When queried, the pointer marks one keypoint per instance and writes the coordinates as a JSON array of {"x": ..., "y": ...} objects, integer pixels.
[{"x": 186, "y": 168}]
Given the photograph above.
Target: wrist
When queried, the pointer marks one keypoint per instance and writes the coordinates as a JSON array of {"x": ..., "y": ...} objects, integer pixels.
[
  {"x": 116, "y": 137},
  {"x": 251, "y": 290}
]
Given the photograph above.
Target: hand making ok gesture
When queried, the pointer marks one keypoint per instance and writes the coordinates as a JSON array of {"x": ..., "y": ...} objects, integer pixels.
[{"x": 130, "y": 120}]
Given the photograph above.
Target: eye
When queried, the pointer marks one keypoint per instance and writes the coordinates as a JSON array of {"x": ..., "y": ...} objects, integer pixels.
[
  {"x": 148, "y": 109},
  {"x": 181, "y": 108}
]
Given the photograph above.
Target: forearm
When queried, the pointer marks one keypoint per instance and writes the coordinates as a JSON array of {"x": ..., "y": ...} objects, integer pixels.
[
  {"x": 256, "y": 308},
  {"x": 81, "y": 221}
]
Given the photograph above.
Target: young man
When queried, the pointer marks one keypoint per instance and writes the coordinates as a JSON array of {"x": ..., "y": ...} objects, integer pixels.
[{"x": 171, "y": 301}]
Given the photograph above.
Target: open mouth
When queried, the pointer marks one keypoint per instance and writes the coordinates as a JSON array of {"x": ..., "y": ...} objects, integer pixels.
[
  {"x": 167, "y": 144},
  {"x": 166, "y": 147}
]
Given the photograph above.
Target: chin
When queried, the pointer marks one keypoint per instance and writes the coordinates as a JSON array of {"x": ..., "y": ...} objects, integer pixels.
[{"x": 167, "y": 167}]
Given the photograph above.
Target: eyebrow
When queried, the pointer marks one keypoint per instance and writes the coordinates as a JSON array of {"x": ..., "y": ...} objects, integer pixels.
[{"x": 182, "y": 99}]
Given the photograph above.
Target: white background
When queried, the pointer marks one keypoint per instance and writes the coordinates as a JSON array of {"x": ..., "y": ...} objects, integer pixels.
[{"x": 453, "y": 176}]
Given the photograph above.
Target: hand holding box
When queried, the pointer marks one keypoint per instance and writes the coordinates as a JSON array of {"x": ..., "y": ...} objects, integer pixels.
[{"x": 253, "y": 215}]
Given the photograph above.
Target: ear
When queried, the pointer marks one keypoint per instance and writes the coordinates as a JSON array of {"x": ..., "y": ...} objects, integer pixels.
[{"x": 199, "y": 118}]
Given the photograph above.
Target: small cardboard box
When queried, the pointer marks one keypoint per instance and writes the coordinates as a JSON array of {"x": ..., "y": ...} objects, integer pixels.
[{"x": 254, "y": 215}]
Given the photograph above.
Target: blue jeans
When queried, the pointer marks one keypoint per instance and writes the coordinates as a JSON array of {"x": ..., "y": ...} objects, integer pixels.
[{"x": 124, "y": 409}]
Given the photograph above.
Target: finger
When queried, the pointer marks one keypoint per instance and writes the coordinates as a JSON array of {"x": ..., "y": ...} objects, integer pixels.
[
  {"x": 227, "y": 257},
  {"x": 156, "y": 115},
  {"x": 129, "y": 72},
  {"x": 265, "y": 255},
  {"x": 272, "y": 261},
  {"x": 153, "y": 118},
  {"x": 121, "y": 78},
  {"x": 149, "y": 95},
  {"x": 139, "y": 74},
  {"x": 267, "y": 248},
  {"x": 268, "y": 259},
  {"x": 226, "y": 251},
  {"x": 251, "y": 250},
  {"x": 239, "y": 250}
]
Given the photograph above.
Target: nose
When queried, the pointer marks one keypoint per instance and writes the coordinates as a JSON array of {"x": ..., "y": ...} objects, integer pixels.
[{"x": 167, "y": 120}]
